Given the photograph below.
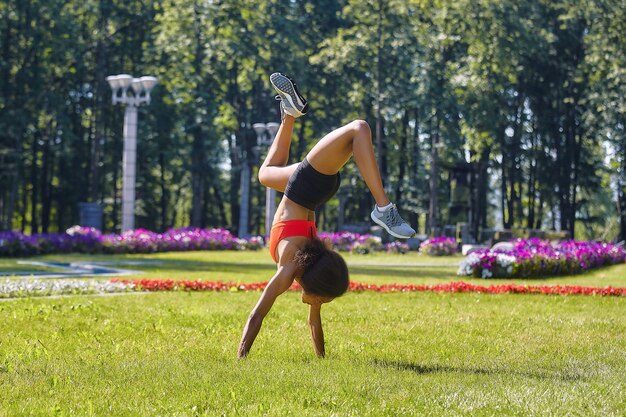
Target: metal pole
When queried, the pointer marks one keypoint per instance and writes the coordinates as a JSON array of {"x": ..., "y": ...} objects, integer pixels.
[
  {"x": 270, "y": 209},
  {"x": 129, "y": 162},
  {"x": 270, "y": 194}
]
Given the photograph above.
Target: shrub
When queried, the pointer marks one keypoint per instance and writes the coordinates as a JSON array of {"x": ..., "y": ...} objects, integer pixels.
[
  {"x": 88, "y": 240},
  {"x": 439, "y": 246},
  {"x": 532, "y": 258}
]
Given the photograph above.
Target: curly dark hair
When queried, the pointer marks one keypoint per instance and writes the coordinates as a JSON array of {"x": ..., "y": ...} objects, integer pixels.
[{"x": 325, "y": 271}]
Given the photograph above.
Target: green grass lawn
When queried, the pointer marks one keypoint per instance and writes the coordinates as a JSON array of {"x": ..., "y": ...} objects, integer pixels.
[
  {"x": 374, "y": 268},
  {"x": 388, "y": 354}
]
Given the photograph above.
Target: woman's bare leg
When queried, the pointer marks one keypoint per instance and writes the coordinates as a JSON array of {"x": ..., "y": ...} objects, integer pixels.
[
  {"x": 274, "y": 173},
  {"x": 335, "y": 149}
]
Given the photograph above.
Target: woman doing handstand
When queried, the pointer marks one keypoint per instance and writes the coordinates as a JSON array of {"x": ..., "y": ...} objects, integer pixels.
[{"x": 294, "y": 246}]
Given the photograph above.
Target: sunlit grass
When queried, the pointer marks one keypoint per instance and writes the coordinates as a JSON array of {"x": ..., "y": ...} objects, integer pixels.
[{"x": 388, "y": 354}]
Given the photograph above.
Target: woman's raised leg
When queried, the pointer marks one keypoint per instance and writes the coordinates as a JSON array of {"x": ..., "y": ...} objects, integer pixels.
[
  {"x": 274, "y": 173},
  {"x": 331, "y": 153}
]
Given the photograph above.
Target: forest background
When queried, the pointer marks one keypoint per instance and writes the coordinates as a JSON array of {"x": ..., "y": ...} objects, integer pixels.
[{"x": 531, "y": 94}]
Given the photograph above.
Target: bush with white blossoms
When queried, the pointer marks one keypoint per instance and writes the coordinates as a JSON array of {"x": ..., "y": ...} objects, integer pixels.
[
  {"x": 397, "y": 247},
  {"x": 367, "y": 245},
  {"x": 353, "y": 242},
  {"x": 488, "y": 265}
]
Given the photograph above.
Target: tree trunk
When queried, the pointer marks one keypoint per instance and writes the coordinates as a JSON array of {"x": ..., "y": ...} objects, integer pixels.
[
  {"x": 301, "y": 148},
  {"x": 532, "y": 174},
  {"x": 197, "y": 177},
  {"x": 575, "y": 140},
  {"x": 163, "y": 186},
  {"x": 382, "y": 166},
  {"x": 45, "y": 183},
  {"x": 24, "y": 205},
  {"x": 621, "y": 194},
  {"x": 433, "y": 206},
  {"x": 219, "y": 202},
  {"x": 198, "y": 157},
  {"x": 539, "y": 222},
  {"x": 414, "y": 175},
  {"x": 621, "y": 206},
  {"x": 34, "y": 199},
  {"x": 503, "y": 197},
  {"x": 236, "y": 161},
  {"x": 403, "y": 158},
  {"x": 7, "y": 84},
  {"x": 480, "y": 215},
  {"x": 15, "y": 182}
]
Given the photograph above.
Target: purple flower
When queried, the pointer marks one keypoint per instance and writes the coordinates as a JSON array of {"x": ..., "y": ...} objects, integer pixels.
[
  {"x": 439, "y": 246},
  {"x": 88, "y": 240}
]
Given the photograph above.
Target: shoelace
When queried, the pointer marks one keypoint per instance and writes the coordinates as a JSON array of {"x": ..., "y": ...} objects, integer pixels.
[{"x": 392, "y": 217}]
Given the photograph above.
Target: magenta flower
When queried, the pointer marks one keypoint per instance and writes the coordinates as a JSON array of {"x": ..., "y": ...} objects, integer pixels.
[{"x": 439, "y": 246}]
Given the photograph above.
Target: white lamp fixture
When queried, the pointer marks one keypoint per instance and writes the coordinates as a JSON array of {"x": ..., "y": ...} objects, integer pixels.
[
  {"x": 141, "y": 88},
  {"x": 272, "y": 128}
]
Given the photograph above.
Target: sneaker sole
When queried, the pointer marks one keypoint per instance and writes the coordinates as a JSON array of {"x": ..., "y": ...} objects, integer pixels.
[
  {"x": 286, "y": 89},
  {"x": 384, "y": 226}
]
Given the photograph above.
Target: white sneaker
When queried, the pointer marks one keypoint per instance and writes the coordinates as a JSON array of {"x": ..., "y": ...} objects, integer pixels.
[
  {"x": 285, "y": 108},
  {"x": 294, "y": 104},
  {"x": 391, "y": 221}
]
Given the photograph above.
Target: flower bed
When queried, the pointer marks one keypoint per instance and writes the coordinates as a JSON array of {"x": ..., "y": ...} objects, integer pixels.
[
  {"x": 43, "y": 288},
  {"x": 362, "y": 243},
  {"x": 353, "y": 242},
  {"x": 439, "y": 246},
  {"x": 89, "y": 240},
  {"x": 47, "y": 287},
  {"x": 455, "y": 287},
  {"x": 533, "y": 258}
]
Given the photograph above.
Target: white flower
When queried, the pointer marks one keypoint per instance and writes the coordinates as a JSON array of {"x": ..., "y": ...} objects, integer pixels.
[
  {"x": 487, "y": 273},
  {"x": 467, "y": 265},
  {"x": 505, "y": 260},
  {"x": 34, "y": 287}
]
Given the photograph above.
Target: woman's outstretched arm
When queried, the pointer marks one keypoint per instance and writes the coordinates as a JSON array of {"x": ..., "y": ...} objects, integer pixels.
[
  {"x": 280, "y": 283},
  {"x": 317, "y": 334}
]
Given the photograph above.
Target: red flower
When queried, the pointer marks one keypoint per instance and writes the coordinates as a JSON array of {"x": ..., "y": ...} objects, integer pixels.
[{"x": 451, "y": 287}]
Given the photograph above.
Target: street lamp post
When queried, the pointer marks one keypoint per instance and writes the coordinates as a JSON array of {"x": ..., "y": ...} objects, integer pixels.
[
  {"x": 265, "y": 136},
  {"x": 141, "y": 88},
  {"x": 244, "y": 186}
]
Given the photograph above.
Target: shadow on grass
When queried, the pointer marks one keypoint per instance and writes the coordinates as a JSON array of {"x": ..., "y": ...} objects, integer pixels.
[
  {"x": 208, "y": 266},
  {"x": 182, "y": 265},
  {"x": 434, "y": 369},
  {"x": 404, "y": 272},
  {"x": 212, "y": 266}
]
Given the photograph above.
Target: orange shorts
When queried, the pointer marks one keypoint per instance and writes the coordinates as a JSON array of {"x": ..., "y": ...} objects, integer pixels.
[{"x": 289, "y": 228}]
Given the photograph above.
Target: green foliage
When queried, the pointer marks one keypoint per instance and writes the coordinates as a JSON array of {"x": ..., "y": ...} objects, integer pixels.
[{"x": 531, "y": 93}]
